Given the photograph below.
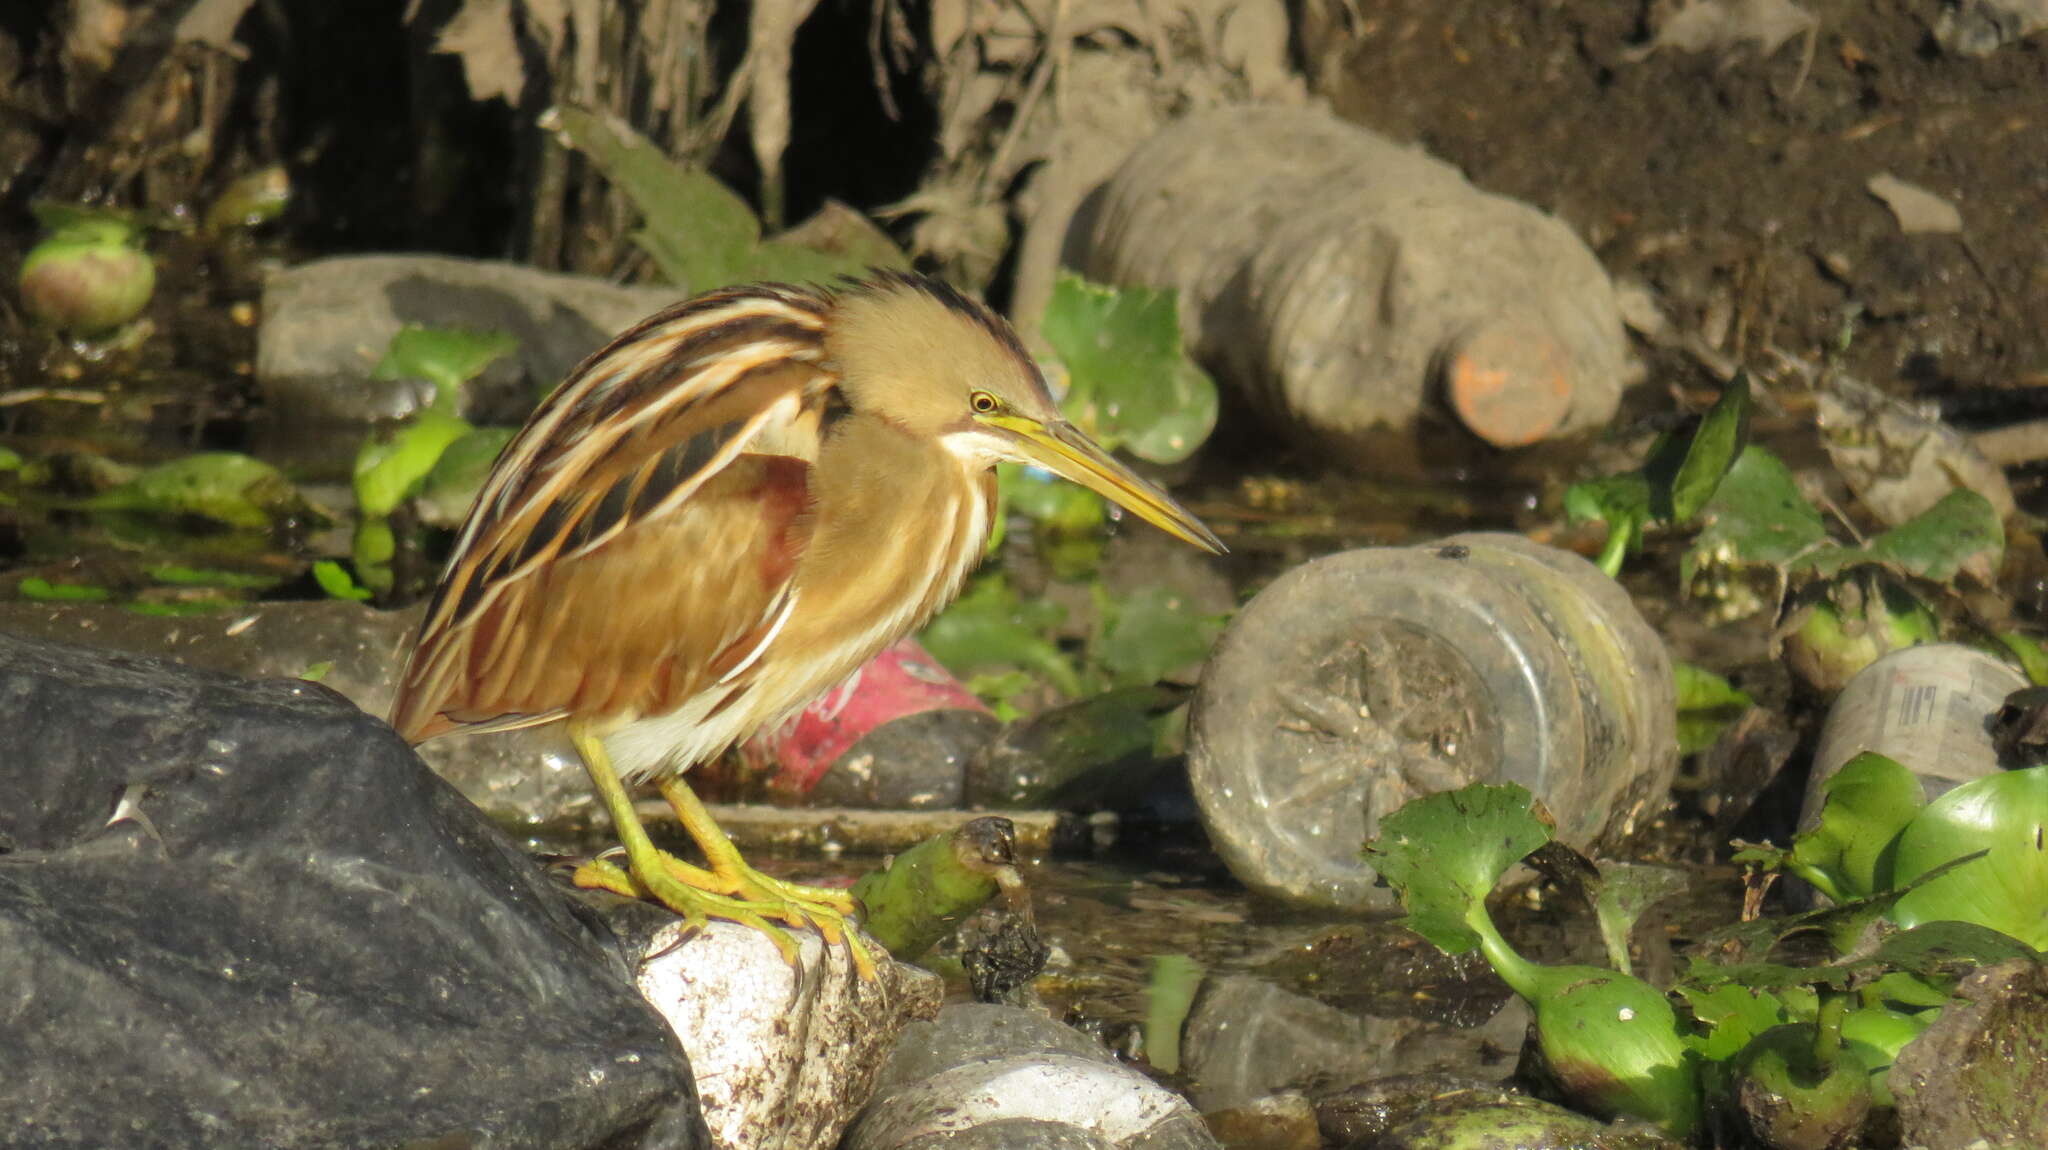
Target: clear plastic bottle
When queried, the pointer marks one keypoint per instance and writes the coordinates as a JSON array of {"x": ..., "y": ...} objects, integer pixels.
[{"x": 1360, "y": 680}]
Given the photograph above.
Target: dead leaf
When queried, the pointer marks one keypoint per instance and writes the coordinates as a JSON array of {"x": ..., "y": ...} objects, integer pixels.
[
  {"x": 1898, "y": 460},
  {"x": 1918, "y": 210},
  {"x": 1725, "y": 24},
  {"x": 481, "y": 36},
  {"x": 212, "y": 22}
]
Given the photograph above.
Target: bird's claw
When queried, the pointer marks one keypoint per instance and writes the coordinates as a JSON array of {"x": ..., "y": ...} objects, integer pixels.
[{"x": 749, "y": 898}]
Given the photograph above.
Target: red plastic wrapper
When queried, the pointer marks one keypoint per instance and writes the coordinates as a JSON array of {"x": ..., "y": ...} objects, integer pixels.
[{"x": 901, "y": 681}]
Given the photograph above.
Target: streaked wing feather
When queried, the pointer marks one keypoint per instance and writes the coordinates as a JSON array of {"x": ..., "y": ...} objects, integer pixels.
[{"x": 650, "y": 451}]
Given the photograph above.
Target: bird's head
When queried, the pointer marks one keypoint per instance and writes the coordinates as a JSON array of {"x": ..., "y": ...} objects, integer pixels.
[{"x": 944, "y": 367}]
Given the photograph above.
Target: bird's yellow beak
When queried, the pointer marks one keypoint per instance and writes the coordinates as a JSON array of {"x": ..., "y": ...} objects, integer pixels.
[{"x": 1061, "y": 449}]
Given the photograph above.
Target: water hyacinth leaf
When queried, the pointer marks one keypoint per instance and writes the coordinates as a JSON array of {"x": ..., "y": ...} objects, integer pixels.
[
  {"x": 446, "y": 492},
  {"x": 1044, "y": 498},
  {"x": 1169, "y": 997},
  {"x": 390, "y": 468},
  {"x": 1864, "y": 806},
  {"x": 1130, "y": 384},
  {"x": 1756, "y": 518},
  {"x": 255, "y": 198},
  {"x": 2006, "y": 815},
  {"x": 2031, "y": 655},
  {"x": 989, "y": 627},
  {"x": 1730, "y": 1015},
  {"x": 1625, "y": 892},
  {"x": 178, "y": 575},
  {"x": 446, "y": 357},
  {"x": 698, "y": 231},
  {"x": 1707, "y": 703},
  {"x": 1960, "y": 534},
  {"x": 231, "y": 489},
  {"x": 1151, "y": 633},
  {"x": 1443, "y": 854},
  {"x": 1722, "y": 436},
  {"x": 335, "y": 580},
  {"x": 371, "y": 550},
  {"x": 1620, "y": 501},
  {"x": 42, "y": 590},
  {"x": 1949, "y": 947}
]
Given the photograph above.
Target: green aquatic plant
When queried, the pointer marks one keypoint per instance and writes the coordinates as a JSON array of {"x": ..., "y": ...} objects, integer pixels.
[{"x": 1611, "y": 1041}]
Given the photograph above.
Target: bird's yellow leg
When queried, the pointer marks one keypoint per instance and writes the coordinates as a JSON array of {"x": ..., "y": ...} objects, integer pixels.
[
  {"x": 799, "y": 905},
  {"x": 652, "y": 874}
]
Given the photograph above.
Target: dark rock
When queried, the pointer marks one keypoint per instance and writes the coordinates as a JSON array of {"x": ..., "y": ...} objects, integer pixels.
[
  {"x": 244, "y": 913},
  {"x": 527, "y": 777}
]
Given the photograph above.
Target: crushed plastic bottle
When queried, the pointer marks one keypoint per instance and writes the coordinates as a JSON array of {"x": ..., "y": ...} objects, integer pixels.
[{"x": 1360, "y": 292}]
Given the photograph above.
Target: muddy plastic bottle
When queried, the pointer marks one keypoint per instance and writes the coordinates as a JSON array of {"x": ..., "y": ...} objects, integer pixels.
[
  {"x": 1359, "y": 291},
  {"x": 1360, "y": 680},
  {"x": 1928, "y": 707}
]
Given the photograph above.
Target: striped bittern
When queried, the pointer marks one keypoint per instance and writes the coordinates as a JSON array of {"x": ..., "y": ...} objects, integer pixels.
[{"x": 717, "y": 517}]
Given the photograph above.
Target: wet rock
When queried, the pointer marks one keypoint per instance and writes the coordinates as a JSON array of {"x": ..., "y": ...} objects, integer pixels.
[
  {"x": 244, "y": 911},
  {"x": 531, "y": 776},
  {"x": 1246, "y": 1037},
  {"x": 1275, "y": 1122},
  {"x": 979, "y": 1067},
  {"x": 328, "y": 322},
  {"x": 1979, "y": 1074},
  {"x": 1523, "y": 1123},
  {"x": 786, "y": 1056},
  {"x": 1981, "y": 27},
  {"x": 1357, "y": 1116}
]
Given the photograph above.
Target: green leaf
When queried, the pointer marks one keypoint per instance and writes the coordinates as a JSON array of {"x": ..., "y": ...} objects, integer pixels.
[
  {"x": 2032, "y": 656},
  {"x": 1707, "y": 703},
  {"x": 447, "y": 491},
  {"x": 1620, "y": 501},
  {"x": 1151, "y": 633},
  {"x": 1959, "y": 533},
  {"x": 1722, "y": 436},
  {"x": 42, "y": 590},
  {"x": 700, "y": 234},
  {"x": 989, "y": 628},
  {"x": 391, "y": 467},
  {"x": 336, "y": 581},
  {"x": 1730, "y": 1014},
  {"x": 1443, "y": 853},
  {"x": 178, "y": 575},
  {"x": 371, "y": 550},
  {"x": 1130, "y": 384},
  {"x": 2005, "y": 814},
  {"x": 1046, "y": 499},
  {"x": 1756, "y": 518},
  {"x": 231, "y": 489},
  {"x": 446, "y": 357},
  {"x": 1864, "y": 806},
  {"x": 1702, "y": 690}
]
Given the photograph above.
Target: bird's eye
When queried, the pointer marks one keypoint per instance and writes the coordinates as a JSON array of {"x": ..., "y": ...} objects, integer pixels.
[{"x": 984, "y": 403}]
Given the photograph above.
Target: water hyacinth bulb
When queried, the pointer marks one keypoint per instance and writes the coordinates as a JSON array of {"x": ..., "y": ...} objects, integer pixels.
[
  {"x": 1611, "y": 1040},
  {"x": 87, "y": 277}
]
